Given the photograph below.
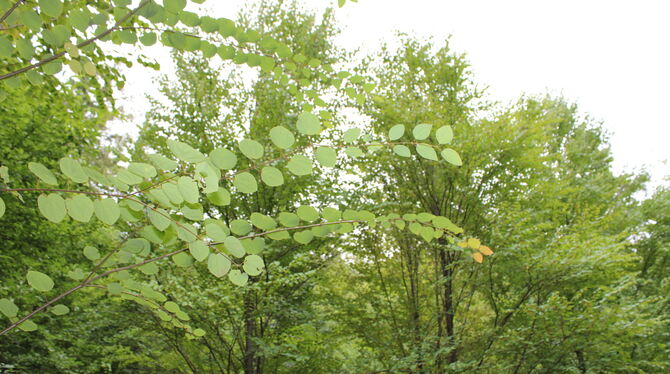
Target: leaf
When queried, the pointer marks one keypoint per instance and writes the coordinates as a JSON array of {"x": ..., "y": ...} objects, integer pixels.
[
  {"x": 182, "y": 260},
  {"x": 218, "y": 265},
  {"x": 52, "y": 207},
  {"x": 253, "y": 265},
  {"x": 308, "y": 124},
  {"x": 52, "y": 8},
  {"x": 238, "y": 278},
  {"x": 426, "y": 151},
  {"x": 107, "y": 210},
  {"x": 444, "y": 134},
  {"x": 8, "y": 308},
  {"x": 221, "y": 197},
  {"x": 299, "y": 165},
  {"x": 326, "y": 156},
  {"x": 351, "y": 135},
  {"x": 262, "y": 221},
  {"x": 2, "y": 208},
  {"x": 162, "y": 162},
  {"x": 272, "y": 176},
  {"x": 240, "y": 227},
  {"x": 474, "y": 243},
  {"x": 28, "y": 326},
  {"x": 486, "y": 251},
  {"x": 39, "y": 281},
  {"x": 422, "y": 131},
  {"x": 60, "y": 310},
  {"x": 199, "y": 332},
  {"x": 80, "y": 208},
  {"x": 452, "y": 157},
  {"x": 159, "y": 218},
  {"x": 289, "y": 219},
  {"x": 188, "y": 189},
  {"x": 478, "y": 257},
  {"x": 223, "y": 158},
  {"x": 282, "y": 137},
  {"x": 331, "y": 214},
  {"x": 217, "y": 230},
  {"x": 91, "y": 253},
  {"x": 234, "y": 246},
  {"x": 73, "y": 170},
  {"x": 174, "y": 6},
  {"x": 307, "y": 213},
  {"x": 402, "y": 150},
  {"x": 142, "y": 169},
  {"x": 303, "y": 237},
  {"x": 353, "y": 152},
  {"x": 245, "y": 182},
  {"x": 44, "y": 174},
  {"x": 341, "y": 3},
  {"x": 185, "y": 152},
  {"x": 199, "y": 250},
  {"x": 251, "y": 148}
]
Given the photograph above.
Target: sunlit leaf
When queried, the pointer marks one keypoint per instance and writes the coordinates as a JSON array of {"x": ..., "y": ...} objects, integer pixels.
[{"x": 39, "y": 281}]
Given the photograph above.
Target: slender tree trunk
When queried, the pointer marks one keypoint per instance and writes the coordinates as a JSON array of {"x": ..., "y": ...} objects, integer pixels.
[
  {"x": 249, "y": 333},
  {"x": 448, "y": 305},
  {"x": 581, "y": 361}
]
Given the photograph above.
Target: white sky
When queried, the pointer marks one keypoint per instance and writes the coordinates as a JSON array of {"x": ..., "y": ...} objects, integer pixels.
[{"x": 610, "y": 57}]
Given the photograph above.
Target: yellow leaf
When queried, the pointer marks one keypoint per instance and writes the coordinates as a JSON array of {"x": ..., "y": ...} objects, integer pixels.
[
  {"x": 478, "y": 257},
  {"x": 474, "y": 243},
  {"x": 462, "y": 244},
  {"x": 486, "y": 251}
]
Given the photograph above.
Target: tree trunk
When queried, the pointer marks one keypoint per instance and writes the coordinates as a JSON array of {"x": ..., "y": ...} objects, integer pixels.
[
  {"x": 448, "y": 305},
  {"x": 249, "y": 334}
]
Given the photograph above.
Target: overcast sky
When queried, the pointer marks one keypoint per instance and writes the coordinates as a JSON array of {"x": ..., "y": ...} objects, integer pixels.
[{"x": 612, "y": 57}]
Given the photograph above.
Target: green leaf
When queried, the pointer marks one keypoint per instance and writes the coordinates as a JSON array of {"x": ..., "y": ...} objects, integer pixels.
[
  {"x": 422, "y": 131},
  {"x": 199, "y": 332},
  {"x": 148, "y": 39},
  {"x": 353, "y": 152},
  {"x": 303, "y": 237},
  {"x": 452, "y": 157},
  {"x": 141, "y": 169},
  {"x": 43, "y": 173},
  {"x": 174, "y": 6},
  {"x": 60, "y": 310},
  {"x": 396, "y": 132},
  {"x": 240, "y": 227},
  {"x": 262, "y": 221},
  {"x": 2, "y": 207},
  {"x": 194, "y": 212},
  {"x": 52, "y": 207},
  {"x": 91, "y": 253},
  {"x": 28, "y": 326},
  {"x": 253, "y": 265},
  {"x": 308, "y": 213},
  {"x": 426, "y": 151},
  {"x": 444, "y": 134},
  {"x": 185, "y": 152},
  {"x": 251, "y": 148},
  {"x": 52, "y": 8},
  {"x": 234, "y": 246},
  {"x": 8, "y": 308},
  {"x": 221, "y": 197},
  {"x": 218, "y": 265},
  {"x": 299, "y": 165},
  {"x": 272, "y": 176},
  {"x": 188, "y": 189},
  {"x": 217, "y": 231},
  {"x": 159, "y": 218},
  {"x": 76, "y": 274},
  {"x": 73, "y": 170},
  {"x": 351, "y": 135},
  {"x": 402, "y": 150},
  {"x": 289, "y": 219},
  {"x": 326, "y": 156},
  {"x": 53, "y": 67},
  {"x": 245, "y": 183},
  {"x": 308, "y": 124},
  {"x": 182, "y": 260},
  {"x": 199, "y": 250},
  {"x": 282, "y": 137},
  {"x": 238, "y": 278},
  {"x": 107, "y": 210},
  {"x": 162, "y": 162},
  {"x": 331, "y": 214},
  {"x": 80, "y": 208},
  {"x": 39, "y": 281},
  {"x": 223, "y": 158},
  {"x": 136, "y": 245}
]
